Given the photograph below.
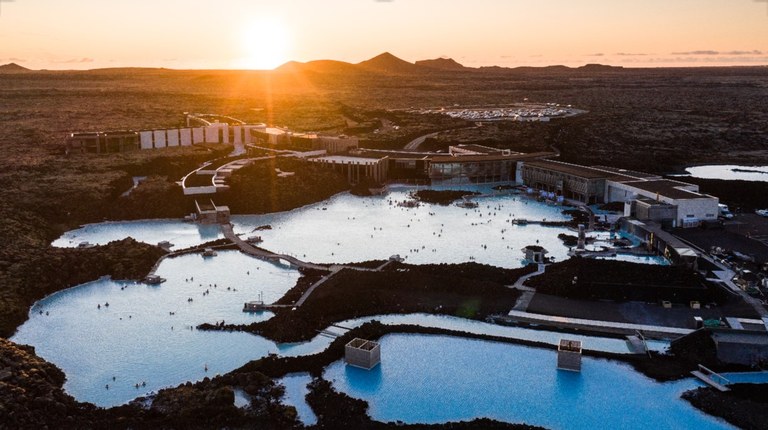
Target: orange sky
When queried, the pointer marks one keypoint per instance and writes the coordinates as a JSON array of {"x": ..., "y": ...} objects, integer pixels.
[{"x": 85, "y": 34}]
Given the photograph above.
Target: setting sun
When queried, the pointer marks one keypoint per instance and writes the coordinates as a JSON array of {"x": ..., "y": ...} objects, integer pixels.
[{"x": 265, "y": 45}]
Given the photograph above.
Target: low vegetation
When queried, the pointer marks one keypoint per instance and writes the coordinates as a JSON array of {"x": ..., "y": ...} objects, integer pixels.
[{"x": 259, "y": 188}]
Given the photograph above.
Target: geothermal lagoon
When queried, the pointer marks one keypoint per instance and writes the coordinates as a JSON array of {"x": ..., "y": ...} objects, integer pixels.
[{"x": 137, "y": 338}]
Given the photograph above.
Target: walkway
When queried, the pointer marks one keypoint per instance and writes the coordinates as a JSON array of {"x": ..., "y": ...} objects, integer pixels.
[
  {"x": 597, "y": 326},
  {"x": 309, "y": 291},
  {"x": 715, "y": 380},
  {"x": 525, "y": 298},
  {"x": 264, "y": 254}
]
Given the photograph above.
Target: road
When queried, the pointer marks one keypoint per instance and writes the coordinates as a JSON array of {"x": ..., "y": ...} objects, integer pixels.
[{"x": 415, "y": 143}]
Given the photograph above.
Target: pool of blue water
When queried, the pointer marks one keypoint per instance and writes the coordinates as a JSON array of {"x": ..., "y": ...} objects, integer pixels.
[
  {"x": 146, "y": 335},
  {"x": 434, "y": 379},
  {"x": 179, "y": 233},
  {"x": 730, "y": 172},
  {"x": 295, "y": 391},
  {"x": 347, "y": 228}
]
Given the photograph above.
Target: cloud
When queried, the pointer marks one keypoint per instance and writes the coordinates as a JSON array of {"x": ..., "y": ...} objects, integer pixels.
[
  {"x": 629, "y": 54},
  {"x": 77, "y": 60},
  {"x": 701, "y": 60},
  {"x": 753, "y": 52},
  {"x": 710, "y": 52},
  {"x": 383, "y": 1},
  {"x": 599, "y": 54},
  {"x": 697, "y": 53}
]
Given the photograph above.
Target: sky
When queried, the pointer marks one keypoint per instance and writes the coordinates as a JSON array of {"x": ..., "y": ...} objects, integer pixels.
[{"x": 253, "y": 34}]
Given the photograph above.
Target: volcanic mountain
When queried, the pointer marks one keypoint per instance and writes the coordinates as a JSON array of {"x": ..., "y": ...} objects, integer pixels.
[
  {"x": 13, "y": 68},
  {"x": 442, "y": 64}
]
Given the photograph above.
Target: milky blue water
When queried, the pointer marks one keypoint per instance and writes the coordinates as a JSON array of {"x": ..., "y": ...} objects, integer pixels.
[
  {"x": 434, "y": 379},
  {"x": 144, "y": 335},
  {"x": 295, "y": 391},
  {"x": 242, "y": 399},
  {"x": 181, "y": 234},
  {"x": 752, "y": 173},
  {"x": 347, "y": 228}
]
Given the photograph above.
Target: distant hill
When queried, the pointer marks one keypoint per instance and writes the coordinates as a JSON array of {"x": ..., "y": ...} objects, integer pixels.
[
  {"x": 441, "y": 63},
  {"x": 388, "y": 63},
  {"x": 318, "y": 66},
  {"x": 13, "y": 68},
  {"x": 599, "y": 68}
]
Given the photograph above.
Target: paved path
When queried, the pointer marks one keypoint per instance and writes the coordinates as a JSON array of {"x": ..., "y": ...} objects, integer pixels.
[
  {"x": 264, "y": 254},
  {"x": 525, "y": 299},
  {"x": 520, "y": 281},
  {"x": 598, "y": 326},
  {"x": 309, "y": 291}
]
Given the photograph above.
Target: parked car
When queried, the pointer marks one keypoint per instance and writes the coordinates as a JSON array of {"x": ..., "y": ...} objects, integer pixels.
[{"x": 762, "y": 212}]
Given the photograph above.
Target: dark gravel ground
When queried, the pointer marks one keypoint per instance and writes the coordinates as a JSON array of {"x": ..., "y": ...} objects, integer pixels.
[
  {"x": 746, "y": 233},
  {"x": 633, "y": 312}
]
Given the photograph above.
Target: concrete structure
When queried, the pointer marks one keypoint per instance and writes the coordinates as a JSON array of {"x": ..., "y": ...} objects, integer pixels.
[
  {"x": 158, "y": 137},
  {"x": 664, "y": 200},
  {"x": 201, "y": 128},
  {"x": 580, "y": 183},
  {"x": 212, "y": 214},
  {"x": 198, "y": 135},
  {"x": 471, "y": 169},
  {"x": 278, "y": 137},
  {"x": 749, "y": 348},
  {"x": 535, "y": 253},
  {"x": 185, "y": 136},
  {"x": 658, "y": 240},
  {"x": 172, "y": 137},
  {"x": 732, "y": 346},
  {"x": 646, "y": 196},
  {"x": 569, "y": 355},
  {"x": 103, "y": 142},
  {"x": 362, "y": 353},
  {"x": 357, "y": 169}
]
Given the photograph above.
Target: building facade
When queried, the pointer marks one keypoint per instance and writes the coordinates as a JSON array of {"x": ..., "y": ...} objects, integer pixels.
[{"x": 99, "y": 142}]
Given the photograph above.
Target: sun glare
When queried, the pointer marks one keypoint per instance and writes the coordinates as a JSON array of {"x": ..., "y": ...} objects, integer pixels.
[{"x": 265, "y": 45}]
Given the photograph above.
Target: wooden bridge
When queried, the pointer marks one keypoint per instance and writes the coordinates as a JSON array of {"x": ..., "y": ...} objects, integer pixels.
[
  {"x": 264, "y": 254},
  {"x": 714, "y": 380}
]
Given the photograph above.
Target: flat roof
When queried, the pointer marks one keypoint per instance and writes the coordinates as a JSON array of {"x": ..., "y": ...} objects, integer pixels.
[
  {"x": 571, "y": 169},
  {"x": 394, "y": 155},
  {"x": 498, "y": 157},
  {"x": 344, "y": 159},
  {"x": 625, "y": 172},
  {"x": 482, "y": 149},
  {"x": 746, "y": 337},
  {"x": 666, "y": 188}
]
